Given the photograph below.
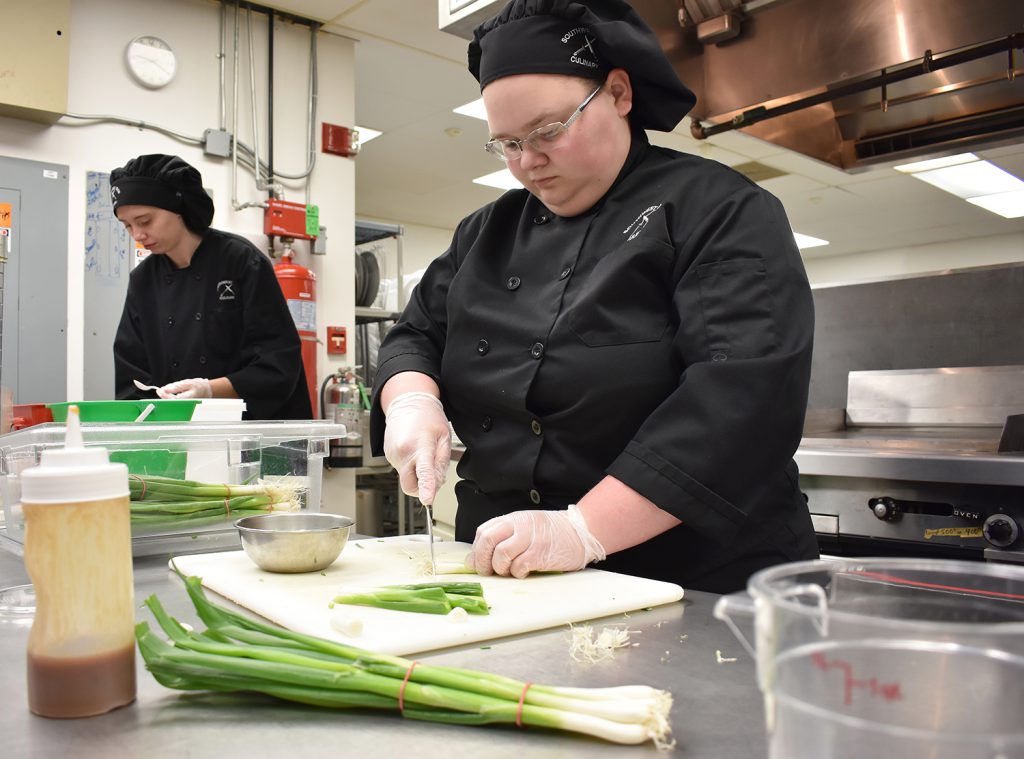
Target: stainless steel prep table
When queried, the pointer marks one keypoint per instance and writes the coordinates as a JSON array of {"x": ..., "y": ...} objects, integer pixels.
[{"x": 717, "y": 712}]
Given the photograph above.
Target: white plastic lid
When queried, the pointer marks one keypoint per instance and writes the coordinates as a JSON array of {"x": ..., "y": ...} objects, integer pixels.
[
  {"x": 219, "y": 410},
  {"x": 74, "y": 473}
]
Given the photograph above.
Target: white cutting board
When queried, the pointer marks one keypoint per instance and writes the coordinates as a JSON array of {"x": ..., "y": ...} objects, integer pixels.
[{"x": 300, "y": 601}]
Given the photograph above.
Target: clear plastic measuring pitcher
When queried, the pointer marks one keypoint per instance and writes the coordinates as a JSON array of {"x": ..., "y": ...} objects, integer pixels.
[{"x": 887, "y": 657}]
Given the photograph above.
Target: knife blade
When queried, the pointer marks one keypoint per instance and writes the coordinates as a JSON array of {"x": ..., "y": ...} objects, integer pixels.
[{"x": 430, "y": 537}]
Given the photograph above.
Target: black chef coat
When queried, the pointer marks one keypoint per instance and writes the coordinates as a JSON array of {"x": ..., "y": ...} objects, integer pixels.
[
  {"x": 224, "y": 315},
  {"x": 662, "y": 337}
]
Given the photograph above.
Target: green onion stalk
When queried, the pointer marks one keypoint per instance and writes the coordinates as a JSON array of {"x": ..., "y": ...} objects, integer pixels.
[
  {"x": 166, "y": 501},
  {"x": 427, "y": 598},
  {"x": 236, "y": 653}
]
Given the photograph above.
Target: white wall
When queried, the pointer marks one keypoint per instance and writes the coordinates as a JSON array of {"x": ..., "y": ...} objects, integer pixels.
[
  {"x": 422, "y": 244},
  {"x": 99, "y": 84},
  {"x": 956, "y": 254}
]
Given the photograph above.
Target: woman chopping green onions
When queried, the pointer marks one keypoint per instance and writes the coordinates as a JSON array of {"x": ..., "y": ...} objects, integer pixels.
[{"x": 623, "y": 346}]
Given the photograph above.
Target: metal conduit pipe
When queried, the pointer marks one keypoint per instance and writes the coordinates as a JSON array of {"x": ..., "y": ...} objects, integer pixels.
[
  {"x": 311, "y": 110},
  {"x": 270, "y": 99},
  {"x": 220, "y": 59},
  {"x": 252, "y": 99},
  {"x": 251, "y": 155}
]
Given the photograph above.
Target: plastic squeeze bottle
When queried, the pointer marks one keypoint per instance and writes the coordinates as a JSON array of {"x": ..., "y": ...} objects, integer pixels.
[{"x": 81, "y": 649}]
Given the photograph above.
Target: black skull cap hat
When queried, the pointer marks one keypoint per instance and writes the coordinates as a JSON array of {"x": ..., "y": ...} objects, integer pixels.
[
  {"x": 582, "y": 39},
  {"x": 163, "y": 181}
]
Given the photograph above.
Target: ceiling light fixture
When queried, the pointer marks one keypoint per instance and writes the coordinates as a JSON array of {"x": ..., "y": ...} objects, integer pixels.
[
  {"x": 979, "y": 182},
  {"x": 971, "y": 180},
  {"x": 1008, "y": 204},
  {"x": 806, "y": 241},
  {"x": 366, "y": 134},
  {"x": 474, "y": 109},
  {"x": 503, "y": 180}
]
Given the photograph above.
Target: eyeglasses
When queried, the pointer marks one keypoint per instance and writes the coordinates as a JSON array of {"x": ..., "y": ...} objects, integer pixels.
[{"x": 542, "y": 139}]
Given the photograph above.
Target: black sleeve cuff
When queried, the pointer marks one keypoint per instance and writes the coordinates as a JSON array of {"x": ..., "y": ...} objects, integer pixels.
[{"x": 674, "y": 491}]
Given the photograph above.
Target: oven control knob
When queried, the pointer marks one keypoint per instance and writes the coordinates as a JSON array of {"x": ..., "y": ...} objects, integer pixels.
[
  {"x": 885, "y": 509},
  {"x": 1001, "y": 530}
]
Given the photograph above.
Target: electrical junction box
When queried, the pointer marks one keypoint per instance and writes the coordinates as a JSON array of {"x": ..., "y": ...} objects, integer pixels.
[
  {"x": 297, "y": 221},
  {"x": 217, "y": 142},
  {"x": 337, "y": 343}
]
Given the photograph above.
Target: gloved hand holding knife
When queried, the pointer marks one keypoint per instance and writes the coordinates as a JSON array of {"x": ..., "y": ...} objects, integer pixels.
[{"x": 417, "y": 439}]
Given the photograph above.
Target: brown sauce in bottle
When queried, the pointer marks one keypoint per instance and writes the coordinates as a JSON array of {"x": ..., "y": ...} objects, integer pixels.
[{"x": 83, "y": 686}]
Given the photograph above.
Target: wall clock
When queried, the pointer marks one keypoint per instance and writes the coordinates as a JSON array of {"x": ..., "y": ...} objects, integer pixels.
[{"x": 150, "y": 61}]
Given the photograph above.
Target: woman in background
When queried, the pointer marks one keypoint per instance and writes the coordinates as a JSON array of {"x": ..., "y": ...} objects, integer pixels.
[{"x": 204, "y": 316}]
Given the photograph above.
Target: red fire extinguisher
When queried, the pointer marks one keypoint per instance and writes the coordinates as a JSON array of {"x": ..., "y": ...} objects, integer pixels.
[{"x": 299, "y": 286}]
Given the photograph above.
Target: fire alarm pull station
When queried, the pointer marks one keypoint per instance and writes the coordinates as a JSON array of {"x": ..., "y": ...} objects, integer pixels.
[
  {"x": 336, "y": 341},
  {"x": 298, "y": 221}
]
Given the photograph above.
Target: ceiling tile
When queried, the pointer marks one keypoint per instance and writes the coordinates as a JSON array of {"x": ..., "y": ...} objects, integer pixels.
[
  {"x": 407, "y": 23},
  {"x": 317, "y": 10},
  {"x": 790, "y": 184}
]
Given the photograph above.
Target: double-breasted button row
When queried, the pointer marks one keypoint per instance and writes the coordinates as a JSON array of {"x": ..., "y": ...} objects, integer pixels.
[
  {"x": 199, "y": 316},
  {"x": 535, "y": 496},
  {"x": 535, "y": 426},
  {"x": 513, "y": 283},
  {"x": 565, "y": 272},
  {"x": 170, "y": 321},
  {"x": 483, "y": 347},
  {"x": 541, "y": 218}
]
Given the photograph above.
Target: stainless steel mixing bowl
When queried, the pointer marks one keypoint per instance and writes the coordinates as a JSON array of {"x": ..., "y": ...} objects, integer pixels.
[{"x": 297, "y": 542}]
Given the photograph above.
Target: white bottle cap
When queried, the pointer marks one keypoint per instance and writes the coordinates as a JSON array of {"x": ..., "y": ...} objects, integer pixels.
[{"x": 74, "y": 473}]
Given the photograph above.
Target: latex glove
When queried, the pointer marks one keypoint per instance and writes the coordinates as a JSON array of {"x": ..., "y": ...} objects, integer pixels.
[
  {"x": 418, "y": 443},
  {"x": 187, "y": 388},
  {"x": 534, "y": 541}
]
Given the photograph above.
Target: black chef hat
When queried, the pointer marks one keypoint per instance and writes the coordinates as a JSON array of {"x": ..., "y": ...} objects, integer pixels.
[
  {"x": 164, "y": 181},
  {"x": 582, "y": 39}
]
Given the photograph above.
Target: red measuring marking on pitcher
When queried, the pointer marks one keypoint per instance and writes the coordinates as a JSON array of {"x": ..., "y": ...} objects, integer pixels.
[{"x": 885, "y": 691}]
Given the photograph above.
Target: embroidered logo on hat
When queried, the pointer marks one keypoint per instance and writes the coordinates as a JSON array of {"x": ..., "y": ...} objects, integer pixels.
[
  {"x": 114, "y": 192},
  {"x": 583, "y": 41}
]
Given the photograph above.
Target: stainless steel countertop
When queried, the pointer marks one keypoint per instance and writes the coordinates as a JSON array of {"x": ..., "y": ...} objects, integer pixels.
[{"x": 717, "y": 713}]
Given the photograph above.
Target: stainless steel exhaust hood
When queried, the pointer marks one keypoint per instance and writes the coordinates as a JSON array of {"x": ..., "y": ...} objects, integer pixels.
[{"x": 849, "y": 82}]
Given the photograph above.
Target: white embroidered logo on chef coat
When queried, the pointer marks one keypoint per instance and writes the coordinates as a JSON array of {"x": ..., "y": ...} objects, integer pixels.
[
  {"x": 640, "y": 222},
  {"x": 585, "y": 55},
  {"x": 226, "y": 289}
]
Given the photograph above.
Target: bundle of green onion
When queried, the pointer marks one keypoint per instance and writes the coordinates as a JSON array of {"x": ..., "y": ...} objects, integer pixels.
[
  {"x": 236, "y": 653},
  {"x": 427, "y": 598},
  {"x": 166, "y": 501}
]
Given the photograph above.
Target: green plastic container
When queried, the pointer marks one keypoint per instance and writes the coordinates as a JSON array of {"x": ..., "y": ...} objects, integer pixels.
[
  {"x": 172, "y": 410},
  {"x": 159, "y": 462},
  {"x": 156, "y": 461}
]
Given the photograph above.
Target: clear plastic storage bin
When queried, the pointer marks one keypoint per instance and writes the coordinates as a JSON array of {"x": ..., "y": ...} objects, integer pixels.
[{"x": 283, "y": 460}]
